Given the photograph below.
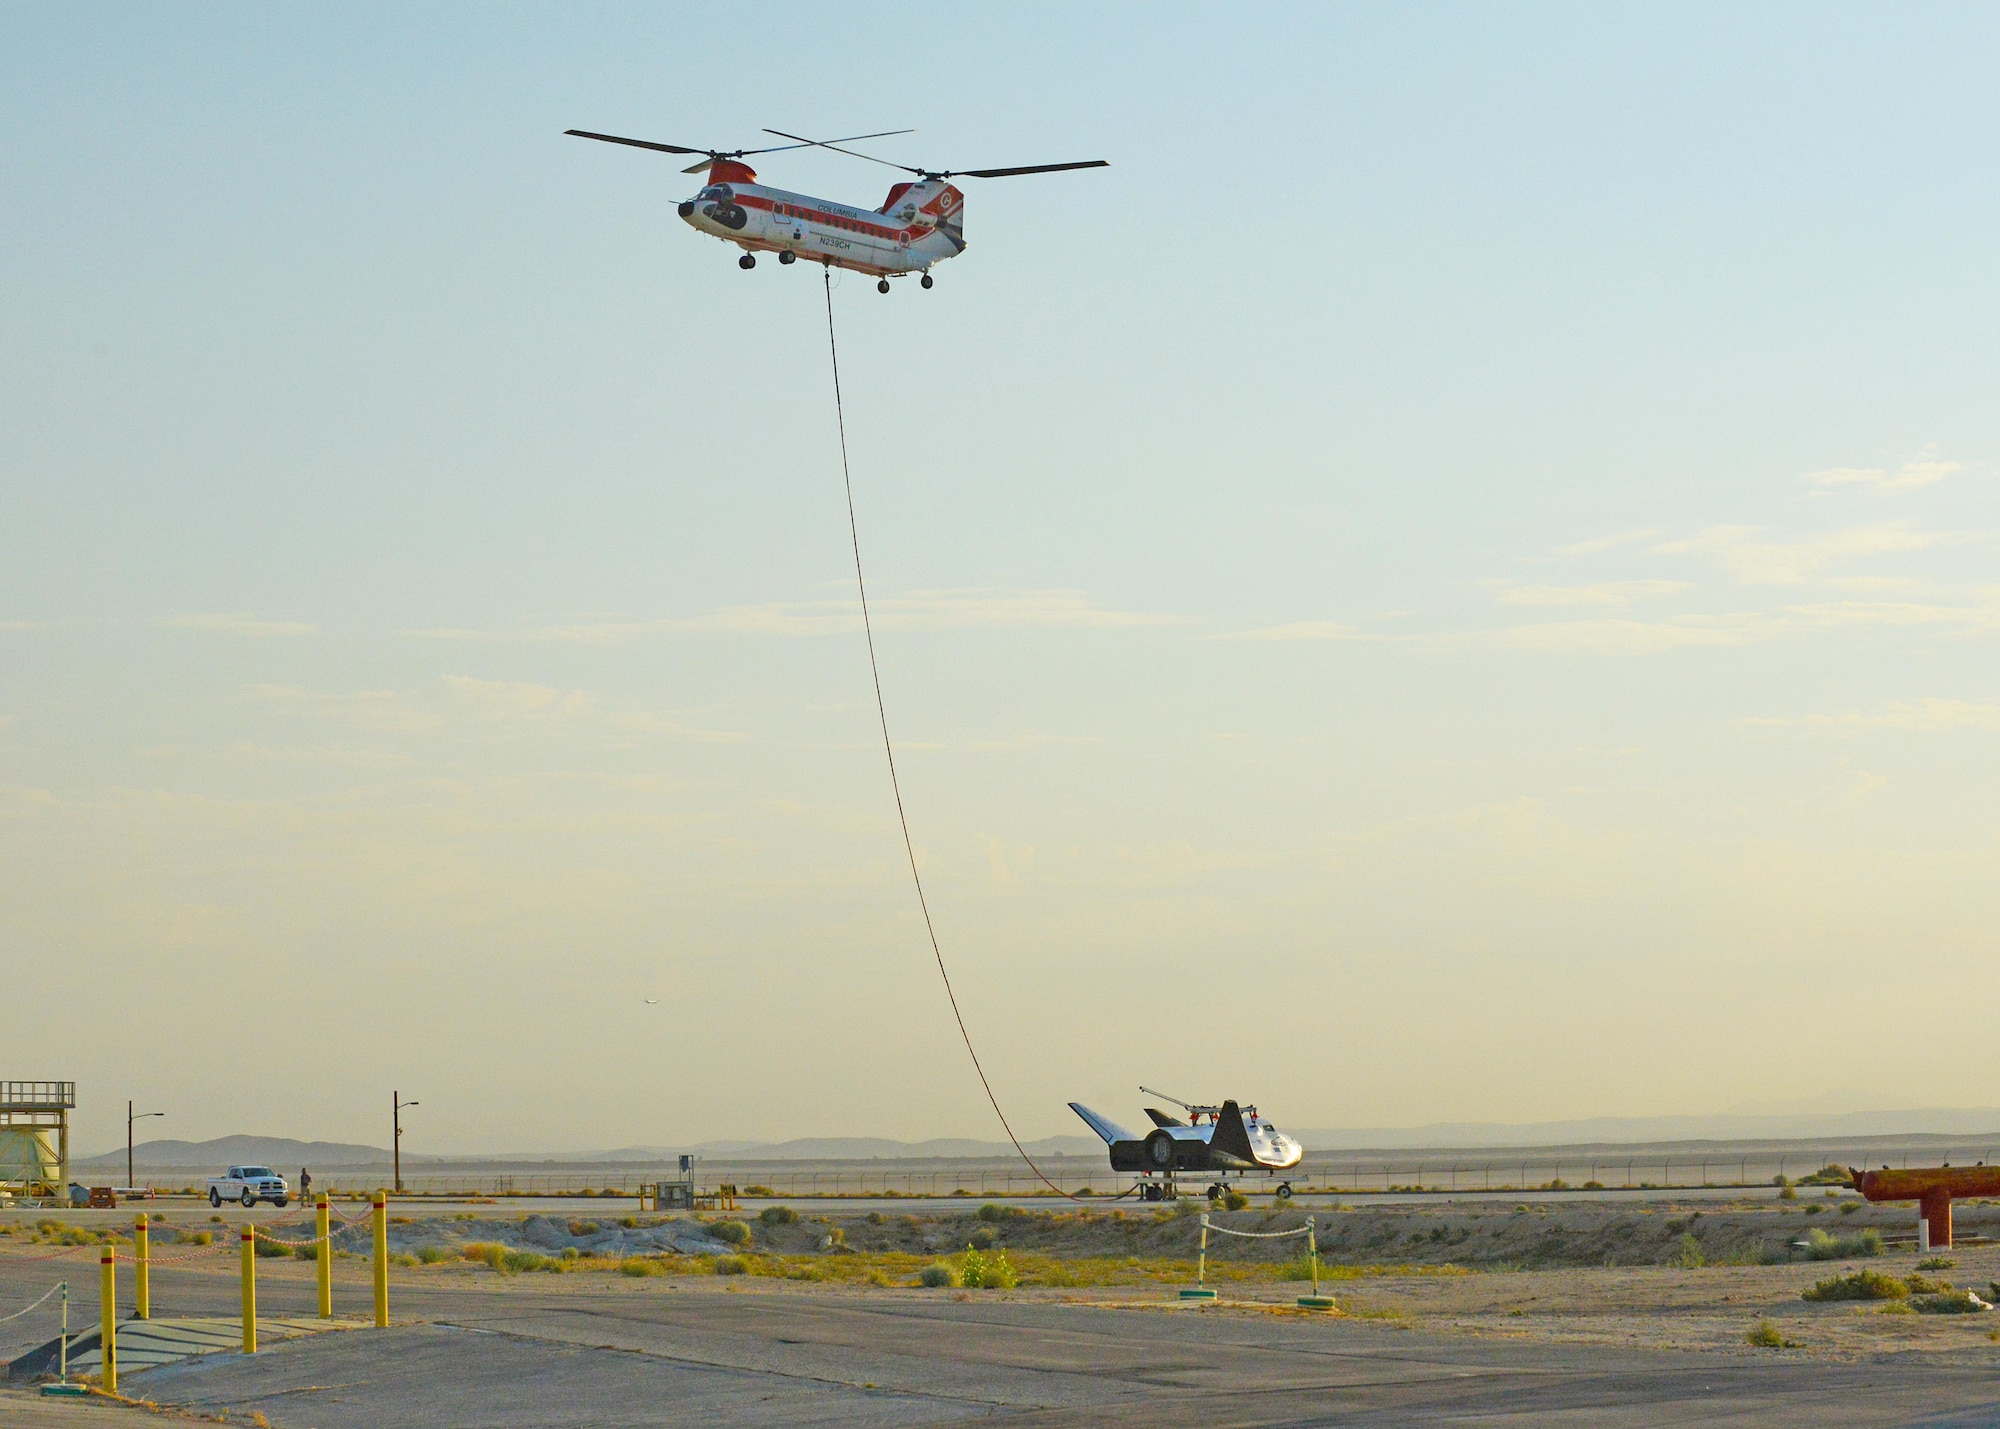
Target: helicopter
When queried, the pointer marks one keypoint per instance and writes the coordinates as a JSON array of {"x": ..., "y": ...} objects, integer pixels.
[
  {"x": 920, "y": 223},
  {"x": 1221, "y": 1139}
]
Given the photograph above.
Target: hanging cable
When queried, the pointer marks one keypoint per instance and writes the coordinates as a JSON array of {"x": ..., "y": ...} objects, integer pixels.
[{"x": 889, "y": 749}]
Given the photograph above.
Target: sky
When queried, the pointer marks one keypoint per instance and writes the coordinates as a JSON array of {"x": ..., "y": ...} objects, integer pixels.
[{"x": 1456, "y": 580}]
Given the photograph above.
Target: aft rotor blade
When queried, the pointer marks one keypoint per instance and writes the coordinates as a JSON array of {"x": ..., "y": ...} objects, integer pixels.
[
  {"x": 851, "y": 153},
  {"x": 634, "y": 143},
  {"x": 1026, "y": 169}
]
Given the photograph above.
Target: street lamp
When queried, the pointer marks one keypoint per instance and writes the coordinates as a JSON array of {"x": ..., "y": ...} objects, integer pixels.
[
  {"x": 129, "y": 1119},
  {"x": 396, "y": 1120}
]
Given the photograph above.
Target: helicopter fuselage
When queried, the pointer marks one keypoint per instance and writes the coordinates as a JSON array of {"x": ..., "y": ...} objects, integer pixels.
[{"x": 919, "y": 225}]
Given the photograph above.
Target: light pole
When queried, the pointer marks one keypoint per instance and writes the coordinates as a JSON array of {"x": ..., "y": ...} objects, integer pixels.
[
  {"x": 396, "y": 1120},
  {"x": 129, "y": 1119}
]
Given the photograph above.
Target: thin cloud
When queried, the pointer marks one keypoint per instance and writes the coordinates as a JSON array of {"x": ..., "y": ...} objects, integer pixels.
[
  {"x": 500, "y": 700},
  {"x": 1297, "y": 630},
  {"x": 1926, "y": 716},
  {"x": 1925, "y": 469},
  {"x": 236, "y": 624},
  {"x": 1640, "y": 637},
  {"x": 1598, "y": 544},
  {"x": 1600, "y": 593},
  {"x": 940, "y": 610},
  {"x": 1738, "y": 552},
  {"x": 382, "y": 711}
]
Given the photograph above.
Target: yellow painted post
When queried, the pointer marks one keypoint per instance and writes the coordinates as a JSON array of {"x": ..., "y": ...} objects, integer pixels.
[
  {"x": 249, "y": 1290},
  {"x": 325, "y": 1263},
  {"x": 107, "y": 1324},
  {"x": 142, "y": 1256},
  {"x": 381, "y": 1260}
]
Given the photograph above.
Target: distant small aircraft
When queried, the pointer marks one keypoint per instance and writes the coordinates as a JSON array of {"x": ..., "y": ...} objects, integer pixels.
[
  {"x": 1224, "y": 1140},
  {"x": 652, "y": 1002},
  {"x": 922, "y": 222}
]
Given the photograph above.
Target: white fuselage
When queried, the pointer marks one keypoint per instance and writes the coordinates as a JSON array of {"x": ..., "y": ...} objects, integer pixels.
[{"x": 767, "y": 220}]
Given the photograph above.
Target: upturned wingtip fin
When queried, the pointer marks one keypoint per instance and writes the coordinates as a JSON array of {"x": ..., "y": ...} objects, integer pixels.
[{"x": 1104, "y": 1126}]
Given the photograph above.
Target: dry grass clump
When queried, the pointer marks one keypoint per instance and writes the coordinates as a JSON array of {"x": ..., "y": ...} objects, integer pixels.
[
  {"x": 730, "y": 1232},
  {"x": 940, "y": 1275},
  {"x": 778, "y": 1216},
  {"x": 510, "y": 1262},
  {"x": 1861, "y": 1285},
  {"x": 732, "y": 1265},
  {"x": 1948, "y": 1302},
  {"x": 1821, "y": 1246},
  {"x": 1766, "y": 1335}
]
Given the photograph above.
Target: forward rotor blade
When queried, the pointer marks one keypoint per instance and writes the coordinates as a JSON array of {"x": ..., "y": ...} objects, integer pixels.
[
  {"x": 634, "y": 143},
  {"x": 851, "y": 153},
  {"x": 700, "y": 168},
  {"x": 1027, "y": 169}
]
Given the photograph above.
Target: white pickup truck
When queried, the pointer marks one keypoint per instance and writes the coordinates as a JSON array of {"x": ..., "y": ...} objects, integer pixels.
[{"x": 249, "y": 1184}]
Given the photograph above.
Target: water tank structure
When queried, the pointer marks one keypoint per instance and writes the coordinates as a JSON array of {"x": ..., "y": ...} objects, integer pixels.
[{"x": 34, "y": 1138}]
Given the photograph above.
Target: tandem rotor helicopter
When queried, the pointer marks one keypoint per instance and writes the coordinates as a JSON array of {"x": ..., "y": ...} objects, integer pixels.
[
  {"x": 922, "y": 222},
  {"x": 1224, "y": 1140}
]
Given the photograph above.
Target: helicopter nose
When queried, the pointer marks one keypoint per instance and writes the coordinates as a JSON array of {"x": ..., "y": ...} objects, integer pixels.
[{"x": 687, "y": 209}]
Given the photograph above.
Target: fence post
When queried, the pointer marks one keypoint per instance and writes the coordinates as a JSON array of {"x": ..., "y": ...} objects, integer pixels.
[
  {"x": 325, "y": 1261},
  {"x": 107, "y": 1323},
  {"x": 381, "y": 1260},
  {"x": 142, "y": 1265},
  {"x": 249, "y": 1290}
]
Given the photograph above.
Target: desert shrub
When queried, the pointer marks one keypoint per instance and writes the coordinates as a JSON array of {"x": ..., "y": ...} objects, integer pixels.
[
  {"x": 630, "y": 1223},
  {"x": 1558, "y": 1184},
  {"x": 432, "y": 1254},
  {"x": 991, "y": 1212},
  {"x": 1924, "y": 1285},
  {"x": 1234, "y": 1200},
  {"x": 1828, "y": 1176},
  {"x": 1814, "y": 1210},
  {"x": 1687, "y": 1254},
  {"x": 731, "y": 1265},
  {"x": 194, "y": 1238},
  {"x": 271, "y": 1249},
  {"x": 778, "y": 1216},
  {"x": 1300, "y": 1269},
  {"x": 401, "y": 1221},
  {"x": 1949, "y": 1302},
  {"x": 875, "y": 1218},
  {"x": 1861, "y": 1285},
  {"x": 637, "y": 1267},
  {"x": 939, "y": 1275},
  {"x": 401, "y": 1257},
  {"x": 516, "y": 1261},
  {"x": 1787, "y": 1193},
  {"x": 1821, "y": 1246},
  {"x": 730, "y": 1232},
  {"x": 1765, "y": 1335},
  {"x": 984, "y": 1238},
  {"x": 981, "y": 1271},
  {"x": 584, "y": 1227},
  {"x": 1896, "y": 1307},
  {"x": 308, "y": 1251},
  {"x": 1937, "y": 1262},
  {"x": 758, "y": 1191},
  {"x": 1593, "y": 1185},
  {"x": 1848, "y": 1208},
  {"x": 485, "y": 1252}
]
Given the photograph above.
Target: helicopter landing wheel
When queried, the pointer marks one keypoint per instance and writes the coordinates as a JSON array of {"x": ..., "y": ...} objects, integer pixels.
[
  {"x": 788, "y": 257},
  {"x": 883, "y": 286},
  {"x": 928, "y": 280},
  {"x": 1284, "y": 1190},
  {"x": 747, "y": 261}
]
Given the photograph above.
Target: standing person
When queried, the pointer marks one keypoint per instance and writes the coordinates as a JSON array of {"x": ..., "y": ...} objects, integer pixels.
[{"x": 305, "y": 1186}]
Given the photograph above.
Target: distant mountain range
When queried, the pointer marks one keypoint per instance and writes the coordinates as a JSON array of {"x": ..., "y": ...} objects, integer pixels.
[{"x": 283, "y": 1152}]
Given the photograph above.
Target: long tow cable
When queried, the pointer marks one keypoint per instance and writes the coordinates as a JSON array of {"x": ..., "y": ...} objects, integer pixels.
[{"x": 889, "y": 749}]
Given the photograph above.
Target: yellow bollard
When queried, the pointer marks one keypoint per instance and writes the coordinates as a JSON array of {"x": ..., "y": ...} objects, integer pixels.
[
  {"x": 107, "y": 1325},
  {"x": 142, "y": 1257},
  {"x": 249, "y": 1290},
  {"x": 381, "y": 1260},
  {"x": 325, "y": 1263}
]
